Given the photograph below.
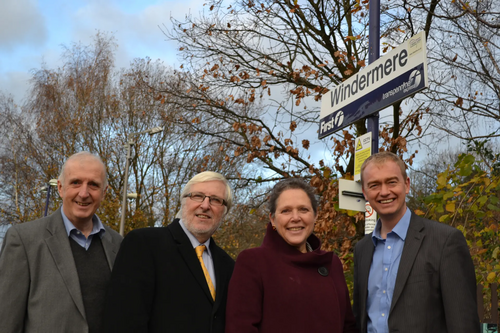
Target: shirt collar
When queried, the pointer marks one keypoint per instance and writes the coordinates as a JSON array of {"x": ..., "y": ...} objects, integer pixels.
[
  {"x": 401, "y": 228},
  {"x": 97, "y": 227},
  {"x": 194, "y": 241}
]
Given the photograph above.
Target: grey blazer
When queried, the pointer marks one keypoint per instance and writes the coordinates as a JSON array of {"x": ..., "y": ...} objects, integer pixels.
[
  {"x": 39, "y": 286},
  {"x": 435, "y": 287}
]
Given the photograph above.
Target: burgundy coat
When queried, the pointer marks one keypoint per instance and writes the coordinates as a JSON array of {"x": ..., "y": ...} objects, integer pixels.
[{"x": 276, "y": 288}]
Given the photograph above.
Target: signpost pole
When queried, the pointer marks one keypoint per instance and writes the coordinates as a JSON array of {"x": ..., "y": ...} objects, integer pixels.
[
  {"x": 374, "y": 47},
  {"x": 372, "y": 121}
]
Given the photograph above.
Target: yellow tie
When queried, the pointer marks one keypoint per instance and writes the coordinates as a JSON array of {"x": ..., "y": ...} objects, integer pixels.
[{"x": 199, "y": 252}]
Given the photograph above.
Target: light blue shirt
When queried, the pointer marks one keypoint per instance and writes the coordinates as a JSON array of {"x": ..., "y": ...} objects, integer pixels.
[
  {"x": 3, "y": 231},
  {"x": 383, "y": 273},
  {"x": 207, "y": 255},
  {"x": 78, "y": 236}
]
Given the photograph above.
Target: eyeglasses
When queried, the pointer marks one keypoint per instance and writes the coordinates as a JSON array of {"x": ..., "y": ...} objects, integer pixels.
[{"x": 200, "y": 197}]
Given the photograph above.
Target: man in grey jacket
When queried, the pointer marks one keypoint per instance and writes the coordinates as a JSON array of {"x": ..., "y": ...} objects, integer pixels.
[
  {"x": 411, "y": 275},
  {"x": 54, "y": 271}
]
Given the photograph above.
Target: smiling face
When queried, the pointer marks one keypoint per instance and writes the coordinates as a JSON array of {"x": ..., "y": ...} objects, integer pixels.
[
  {"x": 385, "y": 188},
  {"x": 294, "y": 218},
  {"x": 201, "y": 218},
  {"x": 82, "y": 189}
]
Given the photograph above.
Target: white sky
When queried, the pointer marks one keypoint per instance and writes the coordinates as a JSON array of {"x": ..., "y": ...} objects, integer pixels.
[{"x": 33, "y": 31}]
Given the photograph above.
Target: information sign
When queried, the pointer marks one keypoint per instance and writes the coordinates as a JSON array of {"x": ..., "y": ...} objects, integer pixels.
[{"x": 362, "y": 150}]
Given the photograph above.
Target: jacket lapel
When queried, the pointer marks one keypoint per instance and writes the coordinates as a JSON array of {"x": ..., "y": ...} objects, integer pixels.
[
  {"x": 414, "y": 239},
  {"x": 188, "y": 254},
  {"x": 58, "y": 243},
  {"x": 364, "y": 272},
  {"x": 221, "y": 273},
  {"x": 110, "y": 248}
]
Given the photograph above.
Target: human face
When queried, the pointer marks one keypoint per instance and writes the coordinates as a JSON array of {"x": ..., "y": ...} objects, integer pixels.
[
  {"x": 83, "y": 190},
  {"x": 385, "y": 189},
  {"x": 201, "y": 218},
  {"x": 294, "y": 218}
]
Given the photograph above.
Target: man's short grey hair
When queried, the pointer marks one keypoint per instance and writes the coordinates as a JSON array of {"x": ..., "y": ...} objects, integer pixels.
[
  {"x": 203, "y": 177},
  {"x": 83, "y": 155}
]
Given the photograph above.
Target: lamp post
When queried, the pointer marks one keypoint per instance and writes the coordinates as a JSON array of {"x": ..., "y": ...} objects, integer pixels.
[
  {"x": 52, "y": 182},
  {"x": 130, "y": 143}
]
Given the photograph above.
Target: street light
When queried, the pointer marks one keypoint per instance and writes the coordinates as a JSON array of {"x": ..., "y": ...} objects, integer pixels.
[
  {"x": 130, "y": 143},
  {"x": 52, "y": 182}
]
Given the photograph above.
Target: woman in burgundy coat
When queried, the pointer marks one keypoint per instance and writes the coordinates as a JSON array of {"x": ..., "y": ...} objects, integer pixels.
[{"x": 289, "y": 284}]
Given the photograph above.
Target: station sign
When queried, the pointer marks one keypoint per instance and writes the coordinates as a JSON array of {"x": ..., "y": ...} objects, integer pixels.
[{"x": 391, "y": 78}]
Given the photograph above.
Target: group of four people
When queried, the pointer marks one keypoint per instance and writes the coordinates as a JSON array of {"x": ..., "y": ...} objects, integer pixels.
[{"x": 69, "y": 273}]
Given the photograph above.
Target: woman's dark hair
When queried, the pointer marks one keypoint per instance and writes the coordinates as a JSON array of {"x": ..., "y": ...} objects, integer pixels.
[{"x": 291, "y": 184}]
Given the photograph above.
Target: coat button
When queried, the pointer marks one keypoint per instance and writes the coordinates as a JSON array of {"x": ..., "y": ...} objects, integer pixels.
[{"x": 323, "y": 271}]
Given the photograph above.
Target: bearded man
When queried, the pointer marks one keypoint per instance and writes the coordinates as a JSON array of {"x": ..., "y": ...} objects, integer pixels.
[{"x": 175, "y": 278}]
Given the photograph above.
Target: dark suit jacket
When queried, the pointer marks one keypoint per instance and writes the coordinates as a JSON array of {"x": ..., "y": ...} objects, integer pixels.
[
  {"x": 157, "y": 285},
  {"x": 39, "y": 285},
  {"x": 435, "y": 287}
]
